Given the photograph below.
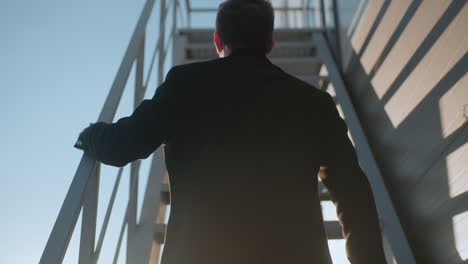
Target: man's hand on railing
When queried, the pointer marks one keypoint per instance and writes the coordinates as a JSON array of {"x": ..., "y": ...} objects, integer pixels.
[{"x": 79, "y": 141}]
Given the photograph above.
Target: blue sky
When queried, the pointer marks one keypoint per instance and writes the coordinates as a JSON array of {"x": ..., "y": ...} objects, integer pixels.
[{"x": 58, "y": 60}]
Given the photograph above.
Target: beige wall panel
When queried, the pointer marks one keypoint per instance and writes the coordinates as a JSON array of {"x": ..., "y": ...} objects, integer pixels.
[
  {"x": 411, "y": 103},
  {"x": 449, "y": 239},
  {"x": 457, "y": 170},
  {"x": 420, "y": 138},
  {"x": 443, "y": 55},
  {"x": 437, "y": 213},
  {"x": 446, "y": 180},
  {"x": 419, "y": 27},
  {"x": 371, "y": 12},
  {"x": 421, "y": 133},
  {"x": 460, "y": 222},
  {"x": 387, "y": 26},
  {"x": 454, "y": 106}
]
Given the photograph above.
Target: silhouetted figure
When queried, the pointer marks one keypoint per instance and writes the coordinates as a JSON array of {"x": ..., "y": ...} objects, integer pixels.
[{"x": 244, "y": 142}]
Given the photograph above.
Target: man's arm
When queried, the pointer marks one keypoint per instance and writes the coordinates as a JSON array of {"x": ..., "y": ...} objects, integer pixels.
[
  {"x": 137, "y": 136},
  {"x": 350, "y": 191}
]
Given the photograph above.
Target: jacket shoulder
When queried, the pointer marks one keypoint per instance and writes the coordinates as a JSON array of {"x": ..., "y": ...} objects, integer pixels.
[
  {"x": 305, "y": 87},
  {"x": 195, "y": 68}
]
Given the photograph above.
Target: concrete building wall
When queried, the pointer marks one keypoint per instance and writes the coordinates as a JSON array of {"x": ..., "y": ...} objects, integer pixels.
[{"x": 405, "y": 65}]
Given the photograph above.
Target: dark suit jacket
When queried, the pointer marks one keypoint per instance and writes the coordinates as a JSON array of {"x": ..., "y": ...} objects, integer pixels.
[{"x": 244, "y": 143}]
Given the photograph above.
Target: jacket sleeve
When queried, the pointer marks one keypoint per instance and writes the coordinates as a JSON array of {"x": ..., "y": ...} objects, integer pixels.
[
  {"x": 350, "y": 191},
  {"x": 137, "y": 136}
]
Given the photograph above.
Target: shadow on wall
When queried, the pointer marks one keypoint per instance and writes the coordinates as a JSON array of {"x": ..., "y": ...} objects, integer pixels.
[{"x": 406, "y": 73}]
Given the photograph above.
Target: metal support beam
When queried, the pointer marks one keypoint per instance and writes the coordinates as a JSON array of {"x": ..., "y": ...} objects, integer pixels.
[
  {"x": 336, "y": 19},
  {"x": 323, "y": 15},
  {"x": 189, "y": 13},
  {"x": 141, "y": 247},
  {"x": 64, "y": 225},
  {"x": 132, "y": 208},
  {"x": 105, "y": 223},
  {"x": 140, "y": 63},
  {"x": 88, "y": 224},
  {"x": 135, "y": 166}
]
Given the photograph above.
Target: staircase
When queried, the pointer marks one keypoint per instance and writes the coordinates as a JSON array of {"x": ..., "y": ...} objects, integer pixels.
[{"x": 304, "y": 52}]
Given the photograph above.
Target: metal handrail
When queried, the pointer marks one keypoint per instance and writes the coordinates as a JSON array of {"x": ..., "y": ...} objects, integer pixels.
[{"x": 102, "y": 234}]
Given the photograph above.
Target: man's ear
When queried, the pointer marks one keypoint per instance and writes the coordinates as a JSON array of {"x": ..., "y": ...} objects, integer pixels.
[
  {"x": 272, "y": 44},
  {"x": 218, "y": 42}
]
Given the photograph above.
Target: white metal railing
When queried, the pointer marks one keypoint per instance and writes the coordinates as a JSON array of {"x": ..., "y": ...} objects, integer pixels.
[{"x": 83, "y": 191}]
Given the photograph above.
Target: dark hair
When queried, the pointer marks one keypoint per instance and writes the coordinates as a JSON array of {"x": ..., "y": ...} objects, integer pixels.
[{"x": 246, "y": 24}]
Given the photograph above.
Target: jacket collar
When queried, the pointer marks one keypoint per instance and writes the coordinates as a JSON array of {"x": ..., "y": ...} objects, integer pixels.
[{"x": 247, "y": 52}]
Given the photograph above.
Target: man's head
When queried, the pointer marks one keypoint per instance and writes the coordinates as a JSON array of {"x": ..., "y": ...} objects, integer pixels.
[{"x": 244, "y": 24}]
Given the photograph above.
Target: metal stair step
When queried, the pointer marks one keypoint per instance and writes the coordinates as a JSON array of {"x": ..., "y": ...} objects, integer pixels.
[
  {"x": 289, "y": 60},
  {"x": 294, "y": 66},
  {"x": 314, "y": 60},
  {"x": 291, "y": 49},
  {"x": 206, "y": 35},
  {"x": 282, "y": 44}
]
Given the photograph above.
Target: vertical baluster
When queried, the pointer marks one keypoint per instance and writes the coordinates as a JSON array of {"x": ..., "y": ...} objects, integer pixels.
[
  {"x": 323, "y": 15},
  {"x": 135, "y": 166},
  {"x": 162, "y": 36},
  {"x": 337, "y": 36},
  {"x": 304, "y": 5},
  {"x": 140, "y": 61},
  {"x": 286, "y": 14},
  {"x": 317, "y": 15},
  {"x": 174, "y": 20},
  {"x": 88, "y": 224},
  {"x": 189, "y": 12}
]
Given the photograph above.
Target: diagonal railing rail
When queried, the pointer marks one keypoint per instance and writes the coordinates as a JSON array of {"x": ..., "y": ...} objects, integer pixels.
[{"x": 390, "y": 224}]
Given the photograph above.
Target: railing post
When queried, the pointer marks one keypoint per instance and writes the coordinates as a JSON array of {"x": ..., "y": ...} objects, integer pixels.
[
  {"x": 322, "y": 15},
  {"x": 89, "y": 215},
  {"x": 140, "y": 61},
  {"x": 135, "y": 166},
  {"x": 286, "y": 13},
  {"x": 189, "y": 12},
  {"x": 336, "y": 20},
  {"x": 305, "y": 13},
  {"x": 174, "y": 20},
  {"x": 162, "y": 34}
]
